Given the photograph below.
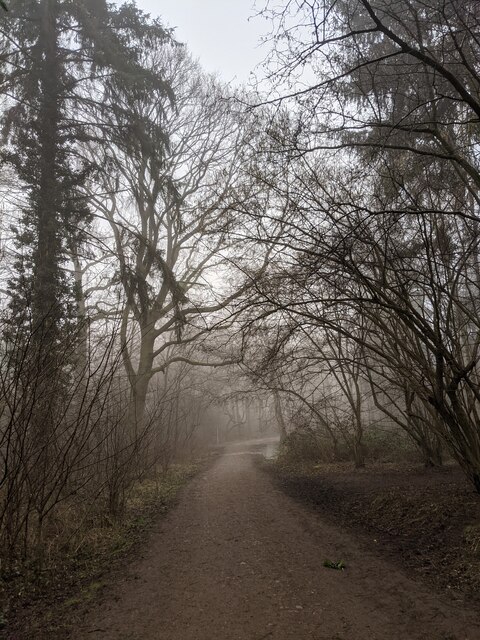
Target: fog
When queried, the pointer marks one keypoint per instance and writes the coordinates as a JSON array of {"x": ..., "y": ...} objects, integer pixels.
[{"x": 239, "y": 332}]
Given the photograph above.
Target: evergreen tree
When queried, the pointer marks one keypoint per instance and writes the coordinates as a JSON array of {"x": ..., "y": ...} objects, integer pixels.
[{"x": 57, "y": 54}]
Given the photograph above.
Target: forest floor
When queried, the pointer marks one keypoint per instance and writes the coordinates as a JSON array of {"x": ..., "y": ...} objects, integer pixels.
[
  {"x": 239, "y": 559},
  {"x": 424, "y": 520}
]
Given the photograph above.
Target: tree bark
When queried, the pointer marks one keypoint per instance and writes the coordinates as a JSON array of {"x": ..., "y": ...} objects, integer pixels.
[{"x": 46, "y": 201}]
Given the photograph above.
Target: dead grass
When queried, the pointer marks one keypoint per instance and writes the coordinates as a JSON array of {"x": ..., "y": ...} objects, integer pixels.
[{"x": 73, "y": 575}]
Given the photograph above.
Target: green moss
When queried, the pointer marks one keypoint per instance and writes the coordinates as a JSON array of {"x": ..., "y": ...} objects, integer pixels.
[{"x": 87, "y": 594}]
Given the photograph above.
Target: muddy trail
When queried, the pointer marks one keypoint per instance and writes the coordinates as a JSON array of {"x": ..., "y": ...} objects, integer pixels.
[{"x": 239, "y": 560}]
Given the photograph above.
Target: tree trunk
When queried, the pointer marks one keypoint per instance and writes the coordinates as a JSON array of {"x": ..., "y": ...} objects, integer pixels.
[
  {"x": 476, "y": 481},
  {"x": 358, "y": 447},
  {"x": 432, "y": 453},
  {"x": 46, "y": 255},
  {"x": 142, "y": 377},
  {"x": 279, "y": 416},
  {"x": 358, "y": 450},
  {"x": 81, "y": 337},
  {"x": 46, "y": 305}
]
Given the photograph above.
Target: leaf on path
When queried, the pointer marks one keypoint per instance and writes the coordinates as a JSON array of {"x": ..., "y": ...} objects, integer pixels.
[{"x": 339, "y": 566}]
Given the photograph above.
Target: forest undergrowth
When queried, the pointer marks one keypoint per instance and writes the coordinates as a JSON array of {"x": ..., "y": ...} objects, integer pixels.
[{"x": 35, "y": 601}]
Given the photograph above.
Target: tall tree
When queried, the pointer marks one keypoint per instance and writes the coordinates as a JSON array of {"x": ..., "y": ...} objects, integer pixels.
[
  {"x": 55, "y": 55},
  {"x": 171, "y": 211},
  {"x": 54, "y": 52}
]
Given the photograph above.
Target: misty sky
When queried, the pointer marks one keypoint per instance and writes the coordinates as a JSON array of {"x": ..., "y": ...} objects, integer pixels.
[{"x": 217, "y": 32}]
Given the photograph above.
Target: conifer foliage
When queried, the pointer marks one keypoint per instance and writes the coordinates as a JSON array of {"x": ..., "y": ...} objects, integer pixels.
[{"x": 56, "y": 52}]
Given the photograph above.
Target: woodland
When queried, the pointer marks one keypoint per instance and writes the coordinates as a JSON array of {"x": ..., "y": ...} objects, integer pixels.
[{"x": 184, "y": 262}]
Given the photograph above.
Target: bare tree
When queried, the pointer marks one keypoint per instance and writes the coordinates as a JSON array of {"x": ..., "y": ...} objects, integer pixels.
[{"x": 170, "y": 213}]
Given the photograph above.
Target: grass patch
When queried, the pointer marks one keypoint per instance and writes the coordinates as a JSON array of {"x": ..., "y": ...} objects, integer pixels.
[
  {"x": 471, "y": 537},
  {"x": 103, "y": 543},
  {"x": 85, "y": 595}
]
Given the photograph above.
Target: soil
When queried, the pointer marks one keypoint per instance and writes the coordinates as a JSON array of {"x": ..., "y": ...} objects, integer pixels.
[
  {"x": 240, "y": 560},
  {"x": 425, "y": 520}
]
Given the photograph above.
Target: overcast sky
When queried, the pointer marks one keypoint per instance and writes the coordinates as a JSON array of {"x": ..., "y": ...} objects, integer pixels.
[{"x": 218, "y": 32}]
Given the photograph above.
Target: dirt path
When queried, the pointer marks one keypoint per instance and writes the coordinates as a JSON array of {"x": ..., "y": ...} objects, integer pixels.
[{"x": 237, "y": 560}]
